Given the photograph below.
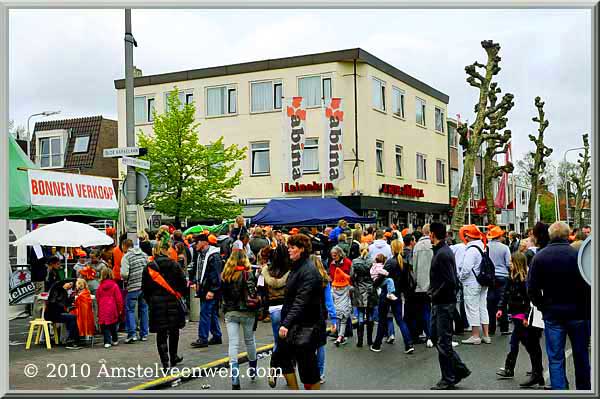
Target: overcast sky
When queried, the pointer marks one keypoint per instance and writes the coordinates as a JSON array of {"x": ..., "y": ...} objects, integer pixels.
[{"x": 68, "y": 59}]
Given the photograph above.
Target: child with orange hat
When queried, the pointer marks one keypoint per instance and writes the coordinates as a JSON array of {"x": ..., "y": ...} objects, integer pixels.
[{"x": 341, "y": 289}]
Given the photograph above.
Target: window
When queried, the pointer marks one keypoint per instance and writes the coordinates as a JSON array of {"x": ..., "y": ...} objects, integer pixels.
[
  {"x": 420, "y": 109},
  {"x": 421, "y": 167},
  {"x": 379, "y": 156},
  {"x": 453, "y": 136},
  {"x": 455, "y": 183},
  {"x": 439, "y": 120},
  {"x": 185, "y": 97},
  {"x": 50, "y": 154},
  {"x": 440, "y": 171},
  {"x": 221, "y": 101},
  {"x": 399, "y": 167},
  {"x": 477, "y": 188},
  {"x": 379, "y": 94},
  {"x": 81, "y": 144},
  {"x": 398, "y": 102},
  {"x": 309, "y": 88},
  {"x": 311, "y": 156},
  {"x": 523, "y": 197},
  {"x": 327, "y": 90},
  {"x": 265, "y": 96},
  {"x": 143, "y": 109},
  {"x": 259, "y": 158}
]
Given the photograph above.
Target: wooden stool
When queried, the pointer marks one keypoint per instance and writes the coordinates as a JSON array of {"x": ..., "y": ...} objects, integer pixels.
[{"x": 42, "y": 329}]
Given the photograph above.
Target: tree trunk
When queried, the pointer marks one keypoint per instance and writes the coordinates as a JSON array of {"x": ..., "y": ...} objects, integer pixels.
[
  {"x": 464, "y": 196},
  {"x": 488, "y": 189},
  {"x": 532, "y": 201}
]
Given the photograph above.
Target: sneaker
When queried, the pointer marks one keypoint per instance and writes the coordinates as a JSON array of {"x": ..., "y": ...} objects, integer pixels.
[
  {"x": 391, "y": 297},
  {"x": 322, "y": 379},
  {"x": 72, "y": 346},
  {"x": 472, "y": 341},
  {"x": 409, "y": 350},
  {"x": 443, "y": 386},
  {"x": 106, "y": 346},
  {"x": 505, "y": 373},
  {"x": 144, "y": 339},
  {"x": 390, "y": 340},
  {"x": 454, "y": 344},
  {"x": 486, "y": 340},
  {"x": 429, "y": 343},
  {"x": 131, "y": 340},
  {"x": 115, "y": 343},
  {"x": 266, "y": 320},
  {"x": 375, "y": 348}
]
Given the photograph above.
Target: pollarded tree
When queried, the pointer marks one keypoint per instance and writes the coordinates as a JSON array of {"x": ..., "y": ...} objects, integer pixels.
[
  {"x": 471, "y": 137},
  {"x": 496, "y": 143},
  {"x": 539, "y": 164},
  {"x": 582, "y": 181}
]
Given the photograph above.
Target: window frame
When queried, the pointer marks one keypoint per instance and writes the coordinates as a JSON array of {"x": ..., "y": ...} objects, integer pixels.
[
  {"x": 253, "y": 150},
  {"x": 185, "y": 93},
  {"x": 452, "y": 194},
  {"x": 322, "y": 76},
  {"x": 148, "y": 118},
  {"x": 454, "y": 141},
  {"x": 311, "y": 146},
  {"x": 424, "y": 165},
  {"x": 423, "y": 111},
  {"x": 382, "y": 93},
  {"x": 443, "y": 115},
  {"x": 226, "y": 101},
  {"x": 61, "y": 154},
  {"x": 274, "y": 83},
  {"x": 437, "y": 180},
  {"x": 380, "y": 149},
  {"x": 403, "y": 102},
  {"x": 87, "y": 145},
  {"x": 401, "y": 153}
]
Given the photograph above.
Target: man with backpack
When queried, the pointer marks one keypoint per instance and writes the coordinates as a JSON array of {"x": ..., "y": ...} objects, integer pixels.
[{"x": 475, "y": 277}]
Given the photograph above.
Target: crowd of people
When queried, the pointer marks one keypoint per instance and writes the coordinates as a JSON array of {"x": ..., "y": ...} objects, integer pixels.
[{"x": 312, "y": 284}]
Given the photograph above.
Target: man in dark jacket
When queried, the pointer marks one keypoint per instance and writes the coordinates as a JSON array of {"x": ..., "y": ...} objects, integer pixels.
[
  {"x": 557, "y": 288},
  {"x": 205, "y": 276},
  {"x": 258, "y": 242},
  {"x": 443, "y": 286}
]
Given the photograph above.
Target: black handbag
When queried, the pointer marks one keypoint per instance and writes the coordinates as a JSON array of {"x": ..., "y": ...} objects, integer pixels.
[{"x": 303, "y": 336}]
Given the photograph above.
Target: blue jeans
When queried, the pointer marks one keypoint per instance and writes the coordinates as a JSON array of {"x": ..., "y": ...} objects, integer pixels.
[
  {"x": 396, "y": 307},
  {"x": 209, "y": 321},
  {"x": 321, "y": 360},
  {"x": 556, "y": 332},
  {"x": 233, "y": 325},
  {"x": 133, "y": 298},
  {"x": 275, "y": 324},
  {"x": 389, "y": 285}
]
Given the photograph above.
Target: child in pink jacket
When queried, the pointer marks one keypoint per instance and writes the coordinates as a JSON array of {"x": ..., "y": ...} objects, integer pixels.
[{"x": 110, "y": 307}]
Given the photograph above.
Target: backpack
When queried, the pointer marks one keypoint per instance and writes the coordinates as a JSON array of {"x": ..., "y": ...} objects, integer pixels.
[{"x": 487, "y": 270}]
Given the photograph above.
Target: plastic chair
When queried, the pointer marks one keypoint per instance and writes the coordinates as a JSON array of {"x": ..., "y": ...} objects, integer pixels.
[{"x": 42, "y": 326}]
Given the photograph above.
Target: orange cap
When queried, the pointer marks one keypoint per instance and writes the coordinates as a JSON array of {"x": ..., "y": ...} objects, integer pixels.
[
  {"x": 404, "y": 232},
  {"x": 495, "y": 232}
]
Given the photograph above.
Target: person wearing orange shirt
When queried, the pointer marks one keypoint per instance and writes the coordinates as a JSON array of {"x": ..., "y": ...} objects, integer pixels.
[{"x": 118, "y": 253}]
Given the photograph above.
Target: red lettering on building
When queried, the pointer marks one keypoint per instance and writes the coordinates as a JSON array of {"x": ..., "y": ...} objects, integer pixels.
[
  {"x": 406, "y": 191},
  {"x": 314, "y": 186}
]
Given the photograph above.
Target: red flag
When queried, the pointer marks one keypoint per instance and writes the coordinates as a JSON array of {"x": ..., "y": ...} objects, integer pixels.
[{"x": 500, "y": 201}]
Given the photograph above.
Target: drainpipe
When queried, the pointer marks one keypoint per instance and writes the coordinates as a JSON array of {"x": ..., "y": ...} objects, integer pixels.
[{"x": 355, "y": 130}]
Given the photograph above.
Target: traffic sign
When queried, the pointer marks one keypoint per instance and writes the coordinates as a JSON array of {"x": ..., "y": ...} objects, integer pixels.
[
  {"x": 155, "y": 221},
  {"x": 142, "y": 187},
  {"x": 136, "y": 163},
  {"x": 120, "y": 152},
  {"x": 584, "y": 260}
]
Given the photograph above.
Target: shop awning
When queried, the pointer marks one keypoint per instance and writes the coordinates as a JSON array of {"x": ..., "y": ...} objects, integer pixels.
[
  {"x": 39, "y": 194},
  {"x": 306, "y": 212}
]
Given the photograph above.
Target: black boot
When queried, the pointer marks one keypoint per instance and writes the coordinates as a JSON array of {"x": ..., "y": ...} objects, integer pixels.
[
  {"x": 370, "y": 333},
  {"x": 360, "y": 331},
  {"x": 535, "y": 379},
  {"x": 508, "y": 371}
]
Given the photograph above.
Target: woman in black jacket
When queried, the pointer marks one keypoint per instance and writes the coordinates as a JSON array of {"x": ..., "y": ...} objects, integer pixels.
[
  {"x": 238, "y": 285},
  {"x": 364, "y": 297},
  {"x": 399, "y": 272},
  {"x": 302, "y": 328},
  {"x": 166, "y": 314},
  {"x": 515, "y": 296}
]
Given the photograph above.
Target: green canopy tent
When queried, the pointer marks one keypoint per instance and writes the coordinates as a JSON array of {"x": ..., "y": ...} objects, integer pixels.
[
  {"x": 216, "y": 229},
  {"x": 20, "y": 204}
]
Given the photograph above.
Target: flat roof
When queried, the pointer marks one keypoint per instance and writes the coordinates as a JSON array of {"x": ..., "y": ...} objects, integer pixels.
[{"x": 348, "y": 55}]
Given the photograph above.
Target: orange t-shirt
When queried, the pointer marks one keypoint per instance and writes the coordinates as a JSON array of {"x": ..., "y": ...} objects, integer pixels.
[
  {"x": 117, "y": 256},
  {"x": 368, "y": 239}
]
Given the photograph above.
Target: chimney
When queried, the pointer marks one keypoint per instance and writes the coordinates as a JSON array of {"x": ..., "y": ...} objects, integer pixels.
[{"x": 137, "y": 72}]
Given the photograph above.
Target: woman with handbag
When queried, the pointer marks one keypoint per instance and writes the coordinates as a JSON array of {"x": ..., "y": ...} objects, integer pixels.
[
  {"x": 163, "y": 285},
  {"x": 302, "y": 328},
  {"x": 240, "y": 306}
]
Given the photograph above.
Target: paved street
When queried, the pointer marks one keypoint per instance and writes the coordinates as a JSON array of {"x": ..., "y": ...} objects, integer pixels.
[{"x": 347, "y": 367}]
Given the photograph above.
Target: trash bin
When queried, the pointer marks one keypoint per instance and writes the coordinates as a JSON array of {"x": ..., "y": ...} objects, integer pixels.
[{"x": 194, "y": 306}]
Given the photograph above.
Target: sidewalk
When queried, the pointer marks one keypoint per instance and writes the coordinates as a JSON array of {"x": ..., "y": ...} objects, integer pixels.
[{"x": 74, "y": 370}]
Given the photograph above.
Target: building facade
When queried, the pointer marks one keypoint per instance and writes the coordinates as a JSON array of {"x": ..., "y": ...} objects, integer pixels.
[
  {"x": 395, "y": 143},
  {"x": 76, "y": 146}
]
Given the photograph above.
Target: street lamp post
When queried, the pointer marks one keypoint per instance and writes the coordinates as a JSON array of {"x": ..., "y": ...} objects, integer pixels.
[
  {"x": 566, "y": 182},
  {"x": 45, "y": 113}
]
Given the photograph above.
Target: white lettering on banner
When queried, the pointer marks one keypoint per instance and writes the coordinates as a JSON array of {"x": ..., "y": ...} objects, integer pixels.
[
  {"x": 294, "y": 137},
  {"x": 334, "y": 153},
  {"x": 69, "y": 190}
]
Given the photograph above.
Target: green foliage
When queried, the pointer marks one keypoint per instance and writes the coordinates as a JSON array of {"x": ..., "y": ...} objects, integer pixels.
[
  {"x": 190, "y": 179},
  {"x": 547, "y": 208}
]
